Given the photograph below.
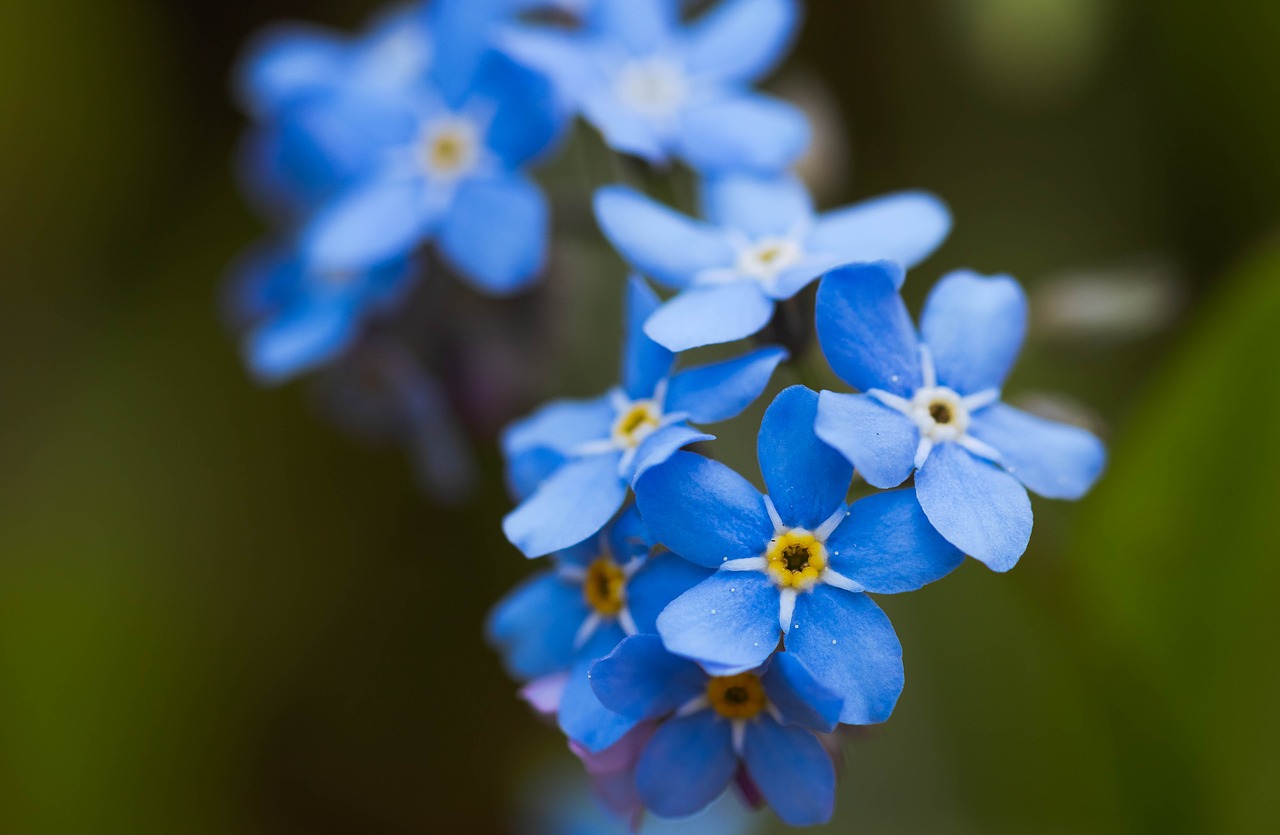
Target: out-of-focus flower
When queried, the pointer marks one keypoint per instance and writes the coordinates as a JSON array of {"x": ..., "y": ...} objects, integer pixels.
[
  {"x": 765, "y": 718},
  {"x": 584, "y": 455},
  {"x": 931, "y": 404},
  {"x": 561, "y": 620},
  {"x": 763, "y": 244},
  {"x": 793, "y": 564},
  {"x": 1099, "y": 308},
  {"x": 660, "y": 90}
]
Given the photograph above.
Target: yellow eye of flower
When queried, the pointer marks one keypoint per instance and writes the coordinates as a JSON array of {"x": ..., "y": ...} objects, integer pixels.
[
  {"x": 605, "y": 587},
  {"x": 737, "y": 697},
  {"x": 796, "y": 559},
  {"x": 940, "y": 412},
  {"x": 637, "y": 423}
]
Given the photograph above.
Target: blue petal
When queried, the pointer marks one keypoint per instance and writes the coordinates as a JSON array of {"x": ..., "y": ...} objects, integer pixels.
[
  {"x": 806, "y": 479},
  {"x": 740, "y": 40},
  {"x": 728, "y": 622},
  {"x": 535, "y": 625},
  {"x": 300, "y": 340},
  {"x": 285, "y": 61},
  {"x": 582, "y": 716},
  {"x": 887, "y": 545},
  {"x": 563, "y": 426},
  {"x": 1056, "y": 460},
  {"x": 527, "y": 119},
  {"x": 850, "y": 647},
  {"x": 660, "y": 242},
  {"x": 496, "y": 233},
  {"x": 659, "y": 447},
  {"x": 624, "y": 130},
  {"x": 710, "y": 315},
  {"x": 686, "y": 764},
  {"x": 880, "y": 442},
  {"x": 641, "y": 680},
  {"x": 641, "y": 27},
  {"x": 747, "y": 133},
  {"x": 644, "y": 362},
  {"x": 975, "y": 326},
  {"x": 721, "y": 390},
  {"x": 977, "y": 506},
  {"x": 526, "y": 470},
  {"x": 575, "y": 502},
  {"x": 794, "y": 772},
  {"x": 373, "y": 224},
  {"x": 798, "y": 696},
  {"x": 465, "y": 28},
  {"x": 703, "y": 510},
  {"x": 757, "y": 206},
  {"x": 662, "y": 579},
  {"x": 905, "y": 228},
  {"x": 865, "y": 330},
  {"x": 628, "y": 536}
]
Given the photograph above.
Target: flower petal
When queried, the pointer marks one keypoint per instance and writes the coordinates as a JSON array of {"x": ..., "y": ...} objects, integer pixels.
[
  {"x": 534, "y": 626},
  {"x": 583, "y": 718},
  {"x": 642, "y": 27},
  {"x": 562, "y": 425},
  {"x": 757, "y": 206},
  {"x": 1056, "y": 460},
  {"x": 496, "y": 233},
  {"x": 750, "y": 133},
  {"x": 287, "y": 60},
  {"x": 794, "y": 772},
  {"x": 710, "y": 315},
  {"x": 300, "y": 340},
  {"x": 658, "y": 241},
  {"x": 887, "y": 545},
  {"x": 974, "y": 325},
  {"x": 977, "y": 506},
  {"x": 644, "y": 362},
  {"x": 798, "y": 696},
  {"x": 807, "y": 480},
  {"x": 373, "y": 224},
  {"x": 659, "y": 447},
  {"x": 687, "y": 764},
  {"x": 575, "y": 502},
  {"x": 905, "y": 228},
  {"x": 641, "y": 680},
  {"x": 865, "y": 330},
  {"x": 662, "y": 579},
  {"x": 728, "y": 622},
  {"x": 740, "y": 40},
  {"x": 850, "y": 647},
  {"x": 721, "y": 390},
  {"x": 879, "y": 441},
  {"x": 703, "y": 510}
]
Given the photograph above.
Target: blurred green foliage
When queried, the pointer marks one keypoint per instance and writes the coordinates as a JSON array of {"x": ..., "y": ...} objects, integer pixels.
[{"x": 218, "y": 615}]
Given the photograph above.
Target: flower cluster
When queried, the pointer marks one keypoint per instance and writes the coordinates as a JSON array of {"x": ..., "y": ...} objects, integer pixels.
[{"x": 691, "y": 633}]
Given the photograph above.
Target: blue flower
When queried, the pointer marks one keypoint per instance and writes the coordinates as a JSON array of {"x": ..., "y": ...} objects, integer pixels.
[
  {"x": 575, "y": 460},
  {"x": 931, "y": 404},
  {"x": 764, "y": 243},
  {"x": 763, "y": 718},
  {"x": 297, "y": 317},
  {"x": 659, "y": 90},
  {"x": 793, "y": 564},
  {"x": 560, "y": 621}
]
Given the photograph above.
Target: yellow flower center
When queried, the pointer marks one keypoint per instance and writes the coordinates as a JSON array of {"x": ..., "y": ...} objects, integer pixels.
[
  {"x": 737, "y": 697},
  {"x": 940, "y": 411},
  {"x": 450, "y": 148},
  {"x": 605, "y": 587},
  {"x": 796, "y": 559},
  {"x": 637, "y": 423}
]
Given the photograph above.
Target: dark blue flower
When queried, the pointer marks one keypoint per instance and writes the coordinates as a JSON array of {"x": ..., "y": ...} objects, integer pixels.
[
  {"x": 763, "y": 243},
  {"x": 793, "y": 564},
  {"x": 560, "y": 621},
  {"x": 576, "y": 459},
  {"x": 296, "y": 317},
  {"x": 658, "y": 89},
  {"x": 931, "y": 404},
  {"x": 765, "y": 719}
]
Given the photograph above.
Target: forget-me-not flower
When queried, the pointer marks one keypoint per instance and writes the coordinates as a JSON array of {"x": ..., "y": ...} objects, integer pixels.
[
  {"x": 930, "y": 403},
  {"x": 764, "y": 718},
  {"x": 762, "y": 243},
  {"x": 560, "y": 621},
  {"x": 575, "y": 460},
  {"x": 658, "y": 89},
  {"x": 794, "y": 564}
]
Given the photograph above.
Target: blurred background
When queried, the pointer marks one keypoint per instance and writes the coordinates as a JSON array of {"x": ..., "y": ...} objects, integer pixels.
[{"x": 219, "y": 613}]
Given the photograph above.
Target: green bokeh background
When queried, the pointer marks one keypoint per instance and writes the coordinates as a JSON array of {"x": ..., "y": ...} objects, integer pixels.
[{"x": 220, "y": 615}]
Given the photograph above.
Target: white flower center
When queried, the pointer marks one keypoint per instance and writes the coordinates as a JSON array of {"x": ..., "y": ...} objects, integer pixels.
[
  {"x": 940, "y": 413},
  {"x": 638, "y": 421},
  {"x": 766, "y": 259},
  {"x": 450, "y": 148},
  {"x": 655, "y": 87}
]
